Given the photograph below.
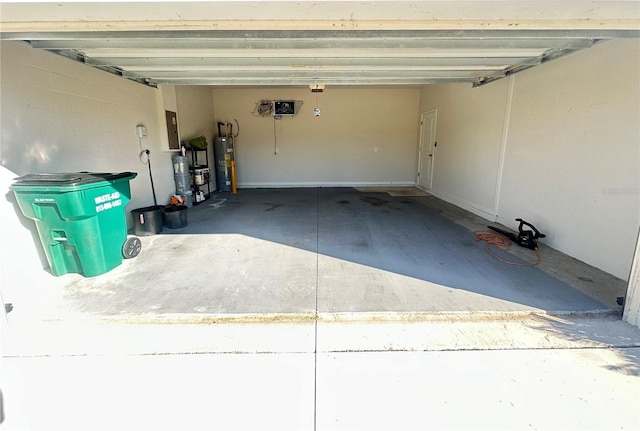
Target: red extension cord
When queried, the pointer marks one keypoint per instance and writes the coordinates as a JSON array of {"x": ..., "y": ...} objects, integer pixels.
[{"x": 503, "y": 243}]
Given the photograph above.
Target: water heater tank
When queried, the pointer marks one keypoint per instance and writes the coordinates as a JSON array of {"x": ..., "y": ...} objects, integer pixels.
[{"x": 223, "y": 152}]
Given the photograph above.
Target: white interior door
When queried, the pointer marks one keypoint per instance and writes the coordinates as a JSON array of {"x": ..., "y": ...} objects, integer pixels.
[{"x": 427, "y": 147}]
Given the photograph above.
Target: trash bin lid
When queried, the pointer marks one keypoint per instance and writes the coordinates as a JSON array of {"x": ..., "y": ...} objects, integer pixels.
[{"x": 69, "y": 179}]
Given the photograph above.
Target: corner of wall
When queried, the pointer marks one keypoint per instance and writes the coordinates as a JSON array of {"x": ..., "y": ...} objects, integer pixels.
[{"x": 631, "y": 312}]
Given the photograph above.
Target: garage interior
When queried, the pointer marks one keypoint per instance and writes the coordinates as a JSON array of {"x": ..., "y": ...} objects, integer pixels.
[
  {"x": 471, "y": 112},
  {"x": 344, "y": 276}
]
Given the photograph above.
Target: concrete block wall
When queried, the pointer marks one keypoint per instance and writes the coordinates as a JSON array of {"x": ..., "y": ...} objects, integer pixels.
[{"x": 61, "y": 116}]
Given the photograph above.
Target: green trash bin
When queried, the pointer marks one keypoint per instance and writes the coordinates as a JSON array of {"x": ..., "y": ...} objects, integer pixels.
[{"x": 80, "y": 218}]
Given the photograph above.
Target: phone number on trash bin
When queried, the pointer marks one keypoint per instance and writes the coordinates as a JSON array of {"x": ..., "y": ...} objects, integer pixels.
[{"x": 107, "y": 201}]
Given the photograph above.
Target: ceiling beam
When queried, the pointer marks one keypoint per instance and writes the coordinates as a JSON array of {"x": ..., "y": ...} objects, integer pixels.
[
  {"x": 211, "y": 38},
  {"x": 622, "y": 24},
  {"x": 327, "y": 41},
  {"x": 312, "y": 14},
  {"x": 160, "y": 63},
  {"x": 344, "y": 53},
  {"x": 304, "y": 82},
  {"x": 317, "y": 75}
]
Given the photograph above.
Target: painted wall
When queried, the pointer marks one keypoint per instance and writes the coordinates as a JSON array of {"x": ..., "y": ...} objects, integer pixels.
[
  {"x": 363, "y": 136},
  {"x": 469, "y": 133},
  {"x": 570, "y": 151},
  {"x": 195, "y": 105},
  {"x": 58, "y": 115},
  {"x": 575, "y": 123},
  {"x": 196, "y": 118},
  {"x": 61, "y": 116},
  {"x": 632, "y": 301}
]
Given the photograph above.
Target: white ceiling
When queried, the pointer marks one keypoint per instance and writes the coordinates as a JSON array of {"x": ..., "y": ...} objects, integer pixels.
[{"x": 246, "y": 43}]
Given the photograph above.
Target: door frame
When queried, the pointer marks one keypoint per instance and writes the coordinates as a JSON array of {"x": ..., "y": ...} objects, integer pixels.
[{"x": 432, "y": 113}]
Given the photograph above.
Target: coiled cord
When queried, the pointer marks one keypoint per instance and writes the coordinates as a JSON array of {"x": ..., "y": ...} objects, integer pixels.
[
  {"x": 264, "y": 108},
  {"x": 502, "y": 242}
]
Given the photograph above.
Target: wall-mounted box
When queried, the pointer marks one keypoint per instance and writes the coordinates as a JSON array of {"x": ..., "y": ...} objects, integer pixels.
[{"x": 286, "y": 107}]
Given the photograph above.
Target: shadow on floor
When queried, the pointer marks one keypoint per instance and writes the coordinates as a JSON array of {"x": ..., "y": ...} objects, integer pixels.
[{"x": 365, "y": 252}]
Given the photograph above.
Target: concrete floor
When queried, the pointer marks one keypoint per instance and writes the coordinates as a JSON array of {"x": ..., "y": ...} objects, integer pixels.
[
  {"x": 322, "y": 309},
  {"x": 338, "y": 252}
]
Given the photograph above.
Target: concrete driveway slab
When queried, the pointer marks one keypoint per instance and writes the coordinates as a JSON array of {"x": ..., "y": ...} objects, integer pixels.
[
  {"x": 362, "y": 332},
  {"x": 172, "y": 337},
  {"x": 160, "y": 392},
  {"x": 583, "y": 389}
]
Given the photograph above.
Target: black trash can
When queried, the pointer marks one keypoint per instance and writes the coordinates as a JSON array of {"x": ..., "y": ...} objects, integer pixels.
[
  {"x": 148, "y": 220},
  {"x": 175, "y": 217}
]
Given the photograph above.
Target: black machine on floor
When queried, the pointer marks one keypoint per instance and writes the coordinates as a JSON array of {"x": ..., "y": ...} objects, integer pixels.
[{"x": 524, "y": 238}]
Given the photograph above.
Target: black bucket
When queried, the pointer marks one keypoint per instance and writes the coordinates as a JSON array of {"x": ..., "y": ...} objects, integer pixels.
[
  {"x": 148, "y": 220},
  {"x": 175, "y": 217}
]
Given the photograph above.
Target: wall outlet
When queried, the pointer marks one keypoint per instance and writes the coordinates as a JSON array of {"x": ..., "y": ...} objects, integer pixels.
[{"x": 141, "y": 131}]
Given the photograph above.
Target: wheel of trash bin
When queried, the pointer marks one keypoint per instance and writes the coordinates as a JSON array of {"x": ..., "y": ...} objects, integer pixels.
[{"x": 131, "y": 247}]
